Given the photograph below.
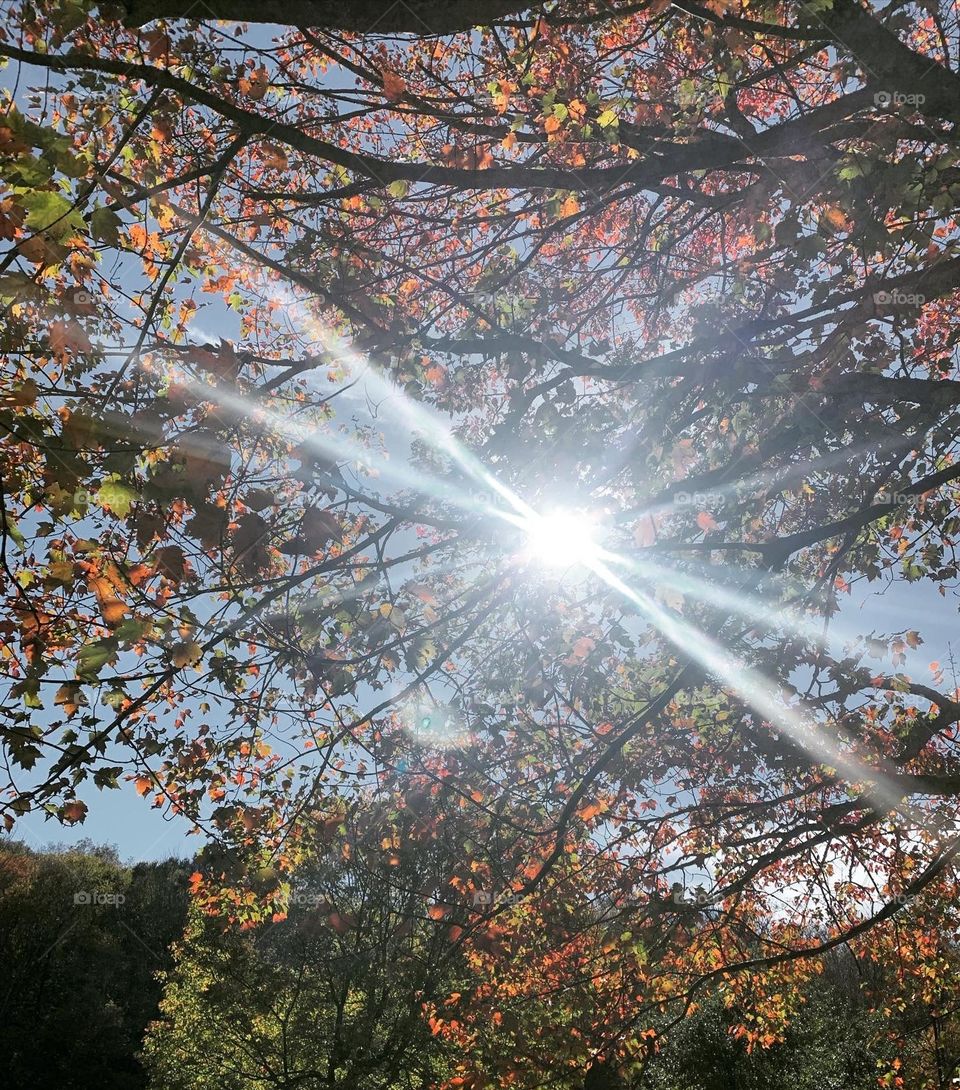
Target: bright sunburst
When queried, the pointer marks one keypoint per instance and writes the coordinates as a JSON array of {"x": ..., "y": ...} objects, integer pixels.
[{"x": 561, "y": 539}]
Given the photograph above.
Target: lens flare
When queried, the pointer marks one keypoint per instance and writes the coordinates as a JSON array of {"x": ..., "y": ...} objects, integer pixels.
[
  {"x": 434, "y": 726},
  {"x": 561, "y": 539}
]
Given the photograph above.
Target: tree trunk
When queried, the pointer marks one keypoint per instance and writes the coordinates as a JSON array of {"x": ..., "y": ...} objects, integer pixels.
[{"x": 420, "y": 17}]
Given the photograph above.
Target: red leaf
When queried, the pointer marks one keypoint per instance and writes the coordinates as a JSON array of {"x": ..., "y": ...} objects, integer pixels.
[
  {"x": 393, "y": 85},
  {"x": 74, "y": 811}
]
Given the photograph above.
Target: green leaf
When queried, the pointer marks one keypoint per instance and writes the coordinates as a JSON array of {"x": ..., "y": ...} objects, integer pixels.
[
  {"x": 132, "y": 630},
  {"x": 27, "y": 170},
  {"x": 107, "y": 777},
  {"x": 51, "y": 214},
  {"x": 116, "y": 496},
  {"x": 105, "y": 225},
  {"x": 92, "y": 657}
]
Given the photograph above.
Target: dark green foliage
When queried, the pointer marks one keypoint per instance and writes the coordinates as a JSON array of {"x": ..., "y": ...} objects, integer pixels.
[
  {"x": 79, "y": 979},
  {"x": 829, "y": 1045}
]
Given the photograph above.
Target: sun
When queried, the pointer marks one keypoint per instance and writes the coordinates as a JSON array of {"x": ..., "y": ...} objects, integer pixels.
[{"x": 561, "y": 539}]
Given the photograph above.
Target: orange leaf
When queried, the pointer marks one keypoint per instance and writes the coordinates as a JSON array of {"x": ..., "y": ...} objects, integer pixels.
[
  {"x": 67, "y": 339},
  {"x": 255, "y": 86},
  {"x": 393, "y": 85},
  {"x": 74, "y": 811},
  {"x": 837, "y": 218}
]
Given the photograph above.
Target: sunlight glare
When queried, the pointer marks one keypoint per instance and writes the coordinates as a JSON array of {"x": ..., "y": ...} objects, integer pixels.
[{"x": 561, "y": 539}]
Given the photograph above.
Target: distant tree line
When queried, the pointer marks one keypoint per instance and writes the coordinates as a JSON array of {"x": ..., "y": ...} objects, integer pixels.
[
  {"x": 82, "y": 939},
  {"x": 110, "y": 980}
]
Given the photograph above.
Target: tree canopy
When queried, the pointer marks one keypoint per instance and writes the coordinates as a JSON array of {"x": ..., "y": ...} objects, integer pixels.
[{"x": 485, "y": 418}]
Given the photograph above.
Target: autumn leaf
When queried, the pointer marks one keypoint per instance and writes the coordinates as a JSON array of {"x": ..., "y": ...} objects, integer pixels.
[
  {"x": 342, "y": 924},
  {"x": 257, "y": 499},
  {"x": 581, "y": 649},
  {"x": 645, "y": 531},
  {"x": 249, "y": 543},
  {"x": 255, "y": 85},
  {"x": 70, "y": 697},
  {"x": 835, "y": 217},
  {"x": 106, "y": 586},
  {"x": 393, "y": 85},
  {"x": 73, "y": 812},
  {"x": 68, "y": 338},
  {"x": 185, "y": 653},
  {"x": 171, "y": 563},
  {"x": 319, "y": 527}
]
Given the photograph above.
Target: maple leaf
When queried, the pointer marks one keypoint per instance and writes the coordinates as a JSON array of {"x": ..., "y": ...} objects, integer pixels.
[
  {"x": 67, "y": 338},
  {"x": 249, "y": 543},
  {"x": 255, "y": 85},
  {"x": 320, "y": 527},
  {"x": 70, "y": 697},
  {"x": 394, "y": 86},
  {"x": 74, "y": 811},
  {"x": 171, "y": 562},
  {"x": 185, "y": 653},
  {"x": 589, "y": 810},
  {"x": 107, "y": 584}
]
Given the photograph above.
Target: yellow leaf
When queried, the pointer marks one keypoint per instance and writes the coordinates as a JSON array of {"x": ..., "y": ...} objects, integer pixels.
[{"x": 185, "y": 653}]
